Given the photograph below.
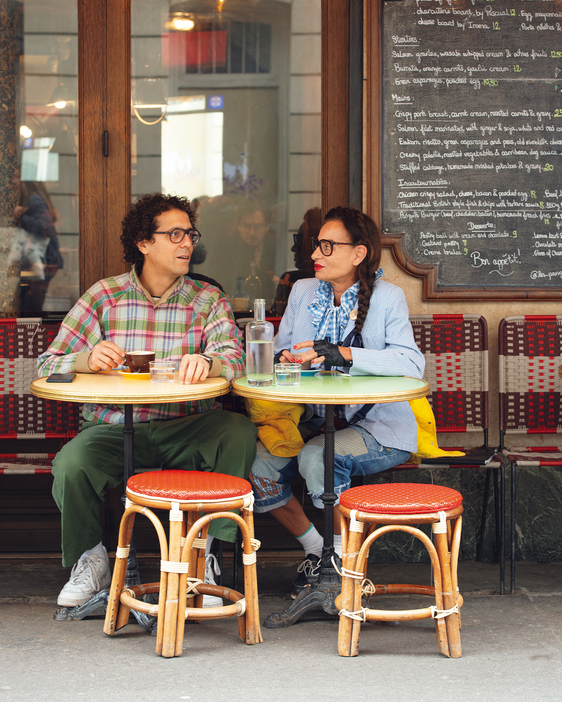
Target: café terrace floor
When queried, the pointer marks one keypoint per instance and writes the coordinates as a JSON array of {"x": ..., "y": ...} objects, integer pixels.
[{"x": 512, "y": 646}]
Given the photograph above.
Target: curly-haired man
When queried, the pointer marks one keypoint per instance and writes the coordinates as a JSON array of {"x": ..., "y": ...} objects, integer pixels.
[{"x": 156, "y": 306}]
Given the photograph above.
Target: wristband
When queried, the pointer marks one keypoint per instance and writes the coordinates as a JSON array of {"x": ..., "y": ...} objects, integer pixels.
[{"x": 209, "y": 359}]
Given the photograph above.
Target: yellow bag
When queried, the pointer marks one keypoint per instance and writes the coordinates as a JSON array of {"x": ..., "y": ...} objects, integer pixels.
[{"x": 427, "y": 433}]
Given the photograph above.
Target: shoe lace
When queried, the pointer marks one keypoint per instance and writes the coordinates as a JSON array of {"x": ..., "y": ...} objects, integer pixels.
[
  {"x": 309, "y": 567},
  {"x": 84, "y": 570}
]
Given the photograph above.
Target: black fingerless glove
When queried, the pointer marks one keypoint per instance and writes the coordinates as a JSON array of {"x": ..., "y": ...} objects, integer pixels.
[
  {"x": 331, "y": 353},
  {"x": 277, "y": 357}
]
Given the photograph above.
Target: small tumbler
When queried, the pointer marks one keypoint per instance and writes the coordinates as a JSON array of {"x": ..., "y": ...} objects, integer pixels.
[
  {"x": 162, "y": 371},
  {"x": 287, "y": 373}
]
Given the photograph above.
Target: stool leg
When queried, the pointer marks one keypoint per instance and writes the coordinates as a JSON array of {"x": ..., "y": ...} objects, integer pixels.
[
  {"x": 182, "y": 600},
  {"x": 192, "y": 572},
  {"x": 252, "y": 634},
  {"x": 349, "y": 629},
  {"x": 172, "y": 591},
  {"x": 198, "y": 556},
  {"x": 449, "y": 597},
  {"x": 112, "y": 620}
]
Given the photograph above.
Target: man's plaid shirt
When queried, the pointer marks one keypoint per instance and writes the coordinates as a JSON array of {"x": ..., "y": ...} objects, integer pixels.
[{"x": 194, "y": 318}]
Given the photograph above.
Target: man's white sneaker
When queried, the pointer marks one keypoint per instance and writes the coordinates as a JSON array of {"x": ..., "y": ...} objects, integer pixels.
[
  {"x": 88, "y": 576},
  {"x": 211, "y": 569}
]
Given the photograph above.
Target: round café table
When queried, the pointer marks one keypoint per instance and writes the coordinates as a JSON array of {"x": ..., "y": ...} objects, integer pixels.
[
  {"x": 330, "y": 388},
  {"x": 115, "y": 388}
]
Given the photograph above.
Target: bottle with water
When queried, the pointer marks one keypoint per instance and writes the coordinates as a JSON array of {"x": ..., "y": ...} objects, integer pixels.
[{"x": 259, "y": 347}]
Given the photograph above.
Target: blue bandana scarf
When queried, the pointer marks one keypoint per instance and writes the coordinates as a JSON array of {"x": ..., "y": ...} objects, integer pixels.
[{"x": 330, "y": 321}]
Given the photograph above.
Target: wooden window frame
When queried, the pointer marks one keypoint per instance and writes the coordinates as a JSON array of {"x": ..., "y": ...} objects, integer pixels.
[
  {"x": 104, "y": 93},
  {"x": 104, "y": 85}
]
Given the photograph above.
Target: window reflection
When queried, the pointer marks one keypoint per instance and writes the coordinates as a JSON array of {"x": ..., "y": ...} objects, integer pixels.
[
  {"x": 39, "y": 139},
  {"x": 227, "y": 112}
]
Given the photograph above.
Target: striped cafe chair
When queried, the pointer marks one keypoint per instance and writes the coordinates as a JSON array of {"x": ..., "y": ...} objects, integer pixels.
[
  {"x": 455, "y": 347},
  {"x": 530, "y": 355},
  {"x": 32, "y": 430}
]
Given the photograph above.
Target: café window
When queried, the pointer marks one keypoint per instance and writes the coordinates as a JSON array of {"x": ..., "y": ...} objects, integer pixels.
[
  {"x": 39, "y": 143},
  {"x": 226, "y": 111}
]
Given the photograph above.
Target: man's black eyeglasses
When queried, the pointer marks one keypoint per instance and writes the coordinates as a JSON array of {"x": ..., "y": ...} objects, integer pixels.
[
  {"x": 177, "y": 235},
  {"x": 327, "y": 246}
]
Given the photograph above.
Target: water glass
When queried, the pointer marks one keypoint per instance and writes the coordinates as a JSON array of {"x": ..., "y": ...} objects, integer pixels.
[
  {"x": 162, "y": 371},
  {"x": 287, "y": 373}
]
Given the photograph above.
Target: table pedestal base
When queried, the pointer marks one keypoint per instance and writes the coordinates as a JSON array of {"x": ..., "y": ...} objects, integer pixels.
[
  {"x": 320, "y": 596},
  {"x": 99, "y": 602}
]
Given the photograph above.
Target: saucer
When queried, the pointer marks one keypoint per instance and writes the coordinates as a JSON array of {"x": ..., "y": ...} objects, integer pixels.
[{"x": 134, "y": 376}]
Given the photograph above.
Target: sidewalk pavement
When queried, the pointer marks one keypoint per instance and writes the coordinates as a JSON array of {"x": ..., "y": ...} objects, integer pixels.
[{"x": 512, "y": 647}]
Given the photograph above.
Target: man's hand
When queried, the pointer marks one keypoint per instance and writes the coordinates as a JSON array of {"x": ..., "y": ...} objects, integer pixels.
[
  {"x": 193, "y": 368},
  {"x": 105, "y": 356}
]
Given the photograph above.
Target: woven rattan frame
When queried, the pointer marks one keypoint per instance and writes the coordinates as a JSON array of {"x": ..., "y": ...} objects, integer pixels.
[
  {"x": 359, "y": 531},
  {"x": 183, "y": 561}
]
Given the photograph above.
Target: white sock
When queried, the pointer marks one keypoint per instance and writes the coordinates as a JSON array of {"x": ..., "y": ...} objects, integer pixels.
[
  {"x": 210, "y": 540},
  {"x": 98, "y": 550},
  {"x": 338, "y": 545},
  {"x": 311, "y": 541}
]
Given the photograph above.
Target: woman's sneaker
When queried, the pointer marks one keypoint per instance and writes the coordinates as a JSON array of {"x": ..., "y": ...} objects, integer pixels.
[
  {"x": 308, "y": 573},
  {"x": 88, "y": 576},
  {"x": 212, "y": 568}
]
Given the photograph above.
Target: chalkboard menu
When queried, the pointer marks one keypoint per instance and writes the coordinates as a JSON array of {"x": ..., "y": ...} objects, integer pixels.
[{"x": 472, "y": 171}]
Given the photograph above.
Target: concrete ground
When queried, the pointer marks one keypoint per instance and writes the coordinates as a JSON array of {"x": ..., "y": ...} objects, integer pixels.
[{"x": 512, "y": 647}]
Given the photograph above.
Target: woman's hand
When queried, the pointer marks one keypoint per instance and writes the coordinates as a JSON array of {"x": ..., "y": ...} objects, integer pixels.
[
  {"x": 324, "y": 352},
  {"x": 285, "y": 356}
]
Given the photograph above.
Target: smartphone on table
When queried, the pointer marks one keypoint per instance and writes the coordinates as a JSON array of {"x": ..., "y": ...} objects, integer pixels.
[{"x": 61, "y": 378}]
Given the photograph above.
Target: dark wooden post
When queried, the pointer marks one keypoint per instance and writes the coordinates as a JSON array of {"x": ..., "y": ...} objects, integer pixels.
[{"x": 11, "y": 28}]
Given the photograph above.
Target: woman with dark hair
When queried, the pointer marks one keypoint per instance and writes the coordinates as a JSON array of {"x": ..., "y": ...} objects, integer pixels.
[
  {"x": 302, "y": 250},
  {"x": 350, "y": 319}
]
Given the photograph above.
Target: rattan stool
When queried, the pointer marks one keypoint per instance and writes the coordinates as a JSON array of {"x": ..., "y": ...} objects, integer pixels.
[
  {"x": 395, "y": 507},
  {"x": 183, "y": 560}
]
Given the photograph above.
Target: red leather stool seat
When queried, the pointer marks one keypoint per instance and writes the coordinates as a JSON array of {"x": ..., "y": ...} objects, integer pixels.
[
  {"x": 401, "y": 498},
  {"x": 188, "y": 485}
]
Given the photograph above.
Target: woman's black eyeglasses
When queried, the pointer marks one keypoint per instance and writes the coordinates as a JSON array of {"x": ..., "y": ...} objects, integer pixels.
[
  {"x": 327, "y": 246},
  {"x": 177, "y": 235}
]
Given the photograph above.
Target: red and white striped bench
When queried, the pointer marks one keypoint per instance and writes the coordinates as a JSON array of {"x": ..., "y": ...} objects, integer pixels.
[{"x": 32, "y": 430}]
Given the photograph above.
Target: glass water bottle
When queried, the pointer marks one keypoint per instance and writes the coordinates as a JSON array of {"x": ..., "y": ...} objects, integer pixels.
[{"x": 259, "y": 347}]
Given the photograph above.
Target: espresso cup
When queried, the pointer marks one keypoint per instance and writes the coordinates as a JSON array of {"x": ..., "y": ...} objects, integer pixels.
[{"x": 139, "y": 361}]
